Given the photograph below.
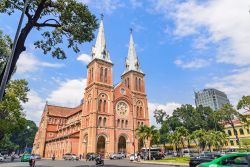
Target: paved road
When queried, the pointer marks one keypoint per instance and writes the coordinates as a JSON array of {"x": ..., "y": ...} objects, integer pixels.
[{"x": 63, "y": 163}]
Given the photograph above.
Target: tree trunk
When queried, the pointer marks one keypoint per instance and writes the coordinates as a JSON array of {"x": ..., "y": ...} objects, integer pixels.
[
  {"x": 19, "y": 49},
  {"x": 236, "y": 133}
]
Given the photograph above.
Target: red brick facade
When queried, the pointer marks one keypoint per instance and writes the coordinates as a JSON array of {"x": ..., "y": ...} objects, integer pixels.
[{"x": 104, "y": 123}]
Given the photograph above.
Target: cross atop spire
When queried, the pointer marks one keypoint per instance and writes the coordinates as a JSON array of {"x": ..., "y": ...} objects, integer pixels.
[
  {"x": 99, "y": 51},
  {"x": 132, "y": 62}
]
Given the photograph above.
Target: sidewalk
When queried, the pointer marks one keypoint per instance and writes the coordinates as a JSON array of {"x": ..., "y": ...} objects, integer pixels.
[{"x": 163, "y": 163}]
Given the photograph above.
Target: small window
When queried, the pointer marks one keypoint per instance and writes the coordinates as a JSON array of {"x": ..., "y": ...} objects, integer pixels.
[
  {"x": 106, "y": 75},
  {"x": 122, "y": 123},
  {"x": 100, "y": 106},
  {"x": 235, "y": 132},
  {"x": 104, "y": 105},
  {"x": 241, "y": 131},
  {"x": 101, "y": 74},
  {"x": 104, "y": 122},
  {"x": 229, "y": 132},
  {"x": 248, "y": 132},
  {"x": 118, "y": 122},
  {"x": 231, "y": 142},
  {"x": 99, "y": 121}
]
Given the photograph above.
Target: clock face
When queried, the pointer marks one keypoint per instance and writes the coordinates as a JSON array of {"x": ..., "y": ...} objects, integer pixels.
[{"x": 122, "y": 108}]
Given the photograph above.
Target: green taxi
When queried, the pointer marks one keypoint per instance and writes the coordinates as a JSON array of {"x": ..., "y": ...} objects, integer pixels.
[
  {"x": 25, "y": 158},
  {"x": 229, "y": 160}
]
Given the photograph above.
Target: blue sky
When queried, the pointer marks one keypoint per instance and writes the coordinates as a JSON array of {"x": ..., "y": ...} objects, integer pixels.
[{"x": 182, "y": 46}]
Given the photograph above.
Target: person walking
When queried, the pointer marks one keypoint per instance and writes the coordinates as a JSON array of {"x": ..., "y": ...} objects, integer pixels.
[{"x": 80, "y": 156}]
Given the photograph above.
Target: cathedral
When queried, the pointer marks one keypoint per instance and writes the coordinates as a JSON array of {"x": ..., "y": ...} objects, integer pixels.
[{"x": 106, "y": 120}]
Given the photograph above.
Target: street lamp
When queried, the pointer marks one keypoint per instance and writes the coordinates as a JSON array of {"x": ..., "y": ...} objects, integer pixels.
[{"x": 28, "y": 127}]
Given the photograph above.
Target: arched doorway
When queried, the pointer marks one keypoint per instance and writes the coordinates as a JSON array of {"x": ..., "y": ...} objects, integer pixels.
[
  {"x": 101, "y": 145},
  {"x": 122, "y": 144},
  {"x": 85, "y": 141}
]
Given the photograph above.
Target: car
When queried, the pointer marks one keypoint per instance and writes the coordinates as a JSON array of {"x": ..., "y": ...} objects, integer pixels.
[
  {"x": 116, "y": 156},
  {"x": 133, "y": 157},
  {"x": 70, "y": 156},
  {"x": 37, "y": 156},
  {"x": 1, "y": 158},
  {"x": 204, "y": 157},
  {"x": 235, "y": 159},
  {"x": 25, "y": 158}
]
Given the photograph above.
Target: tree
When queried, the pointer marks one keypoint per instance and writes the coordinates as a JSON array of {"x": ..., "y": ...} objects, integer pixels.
[
  {"x": 160, "y": 116},
  {"x": 244, "y": 103},
  {"x": 227, "y": 114},
  {"x": 5, "y": 43},
  {"x": 25, "y": 137},
  {"x": 182, "y": 133},
  {"x": 200, "y": 137},
  {"x": 11, "y": 115},
  {"x": 57, "y": 20}
]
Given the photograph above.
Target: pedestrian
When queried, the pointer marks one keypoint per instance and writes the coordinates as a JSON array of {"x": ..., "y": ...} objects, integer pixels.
[
  {"x": 80, "y": 156},
  {"x": 138, "y": 157}
]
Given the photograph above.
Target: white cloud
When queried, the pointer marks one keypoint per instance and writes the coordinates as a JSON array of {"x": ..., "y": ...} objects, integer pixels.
[
  {"x": 136, "y": 3},
  {"x": 168, "y": 108},
  {"x": 222, "y": 22},
  {"x": 69, "y": 93},
  {"x": 106, "y": 6},
  {"x": 235, "y": 85},
  {"x": 34, "y": 107},
  {"x": 194, "y": 64},
  {"x": 84, "y": 58},
  {"x": 29, "y": 63}
]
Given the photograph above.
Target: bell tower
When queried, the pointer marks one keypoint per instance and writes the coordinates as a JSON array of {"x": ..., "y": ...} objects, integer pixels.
[
  {"x": 98, "y": 106},
  {"x": 133, "y": 78}
]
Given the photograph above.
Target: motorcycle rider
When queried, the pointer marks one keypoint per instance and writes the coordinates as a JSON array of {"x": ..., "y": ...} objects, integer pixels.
[
  {"x": 32, "y": 160},
  {"x": 53, "y": 157}
]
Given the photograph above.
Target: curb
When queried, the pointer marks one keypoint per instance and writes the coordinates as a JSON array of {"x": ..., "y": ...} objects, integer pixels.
[{"x": 164, "y": 163}]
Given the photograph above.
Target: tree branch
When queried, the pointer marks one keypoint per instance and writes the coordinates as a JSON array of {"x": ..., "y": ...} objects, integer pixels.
[
  {"x": 46, "y": 25},
  {"x": 51, "y": 20},
  {"x": 18, "y": 7}
]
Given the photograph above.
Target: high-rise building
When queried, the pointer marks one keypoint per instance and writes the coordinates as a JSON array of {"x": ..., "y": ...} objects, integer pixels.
[
  {"x": 107, "y": 119},
  {"x": 212, "y": 98}
]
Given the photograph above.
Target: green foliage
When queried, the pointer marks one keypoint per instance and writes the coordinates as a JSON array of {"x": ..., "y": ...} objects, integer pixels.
[
  {"x": 5, "y": 43},
  {"x": 244, "y": 103},
  {"x": 67, "y": 19},
  {"x": 175, "y": 159},
  {"x": 245, "y": 143},
  {"x": 11, "y": 115}
]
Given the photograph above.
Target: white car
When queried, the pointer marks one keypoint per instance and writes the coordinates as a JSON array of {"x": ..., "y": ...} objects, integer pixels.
[
  {"x": 1, "y": 158},
  {"x": 133, "y": 157}
]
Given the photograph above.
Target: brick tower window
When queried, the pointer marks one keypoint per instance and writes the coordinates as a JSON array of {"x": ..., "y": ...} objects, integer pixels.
[
  {"x": 104, "y": 105},
  {"x": 101, "y": 74},
  {"x": 128, "y": 82},
  {"x": 106, "y": 75},
  {"x": 104, "y": 122},
  {"x": 99, "y": 121},
  {"x": 100, "y": 106},
  {"x": 136, "y": 83},
  {"x": 139, "y": 84}
]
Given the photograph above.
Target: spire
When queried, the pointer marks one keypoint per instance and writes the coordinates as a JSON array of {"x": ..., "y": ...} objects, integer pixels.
[
  {"x": 132, "y": 62},
  {"x": 99, "y": 51}
]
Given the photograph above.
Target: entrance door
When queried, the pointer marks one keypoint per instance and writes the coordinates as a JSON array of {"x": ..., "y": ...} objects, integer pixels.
[
  {"x": 101, "y": 145},
  {"x": 122, "y": 144}
]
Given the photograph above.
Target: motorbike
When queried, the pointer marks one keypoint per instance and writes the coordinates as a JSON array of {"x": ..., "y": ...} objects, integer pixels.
[
  {"x": 99, "y": 161},
  {"x": 53, "y": 158},
  {"x": 32, "y": 162},
  {"x": 12, "y": 158}
]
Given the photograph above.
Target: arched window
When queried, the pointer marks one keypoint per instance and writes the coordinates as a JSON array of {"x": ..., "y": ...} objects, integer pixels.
[
  {"x": 235, "y": 132},
  {"x": 126, "y": 124},
  {"x": 136, "y": 83},
  {"x": 141, "y": 123},
  {"x": 141, "y": 114},
  {"x": 106, "y": 75},
  {"x": 104, "y": 105},
  {"x": 139, "y": 84},
  {"x": 88, "y": 106},
  {"x": 122, "y": 124},
  {"x": 128, "y": 82},
  {"x": 137, "y": 111},
  {"x": 100, "y": 105},
  {"x": 101, "y": 74},
  {"x": 229, "y": 132},
  {"x": 99, "y": 121},
  {"x": 241, "y": 131},
  {"x": 92, "y": 74},
  {"x": 104, "y": 122},
  {"x": 89, "y": 75},
  {"x": 118, "y": 122}
]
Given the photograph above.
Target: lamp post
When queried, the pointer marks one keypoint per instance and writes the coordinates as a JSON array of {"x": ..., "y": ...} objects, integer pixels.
[{"x": 25, "y": 150}]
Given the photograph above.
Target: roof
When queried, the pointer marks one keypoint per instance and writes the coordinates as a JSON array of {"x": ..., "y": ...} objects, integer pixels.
[{"x": 60, "y": 111}]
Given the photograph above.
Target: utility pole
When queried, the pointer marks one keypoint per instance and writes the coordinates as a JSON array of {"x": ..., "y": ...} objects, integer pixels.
[{"x": 8, "y": 65}]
